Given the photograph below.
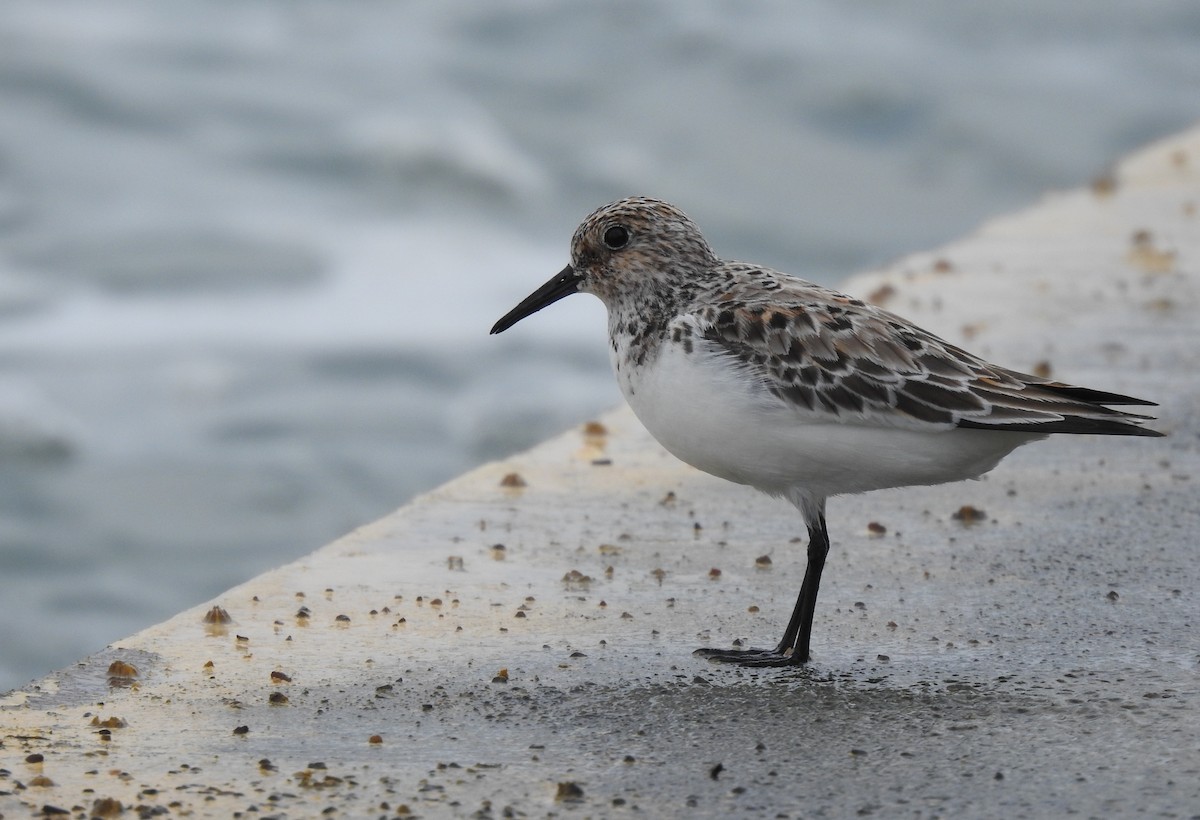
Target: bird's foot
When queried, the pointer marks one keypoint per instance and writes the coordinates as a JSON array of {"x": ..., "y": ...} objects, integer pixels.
[{"x": 751, "y": 657}]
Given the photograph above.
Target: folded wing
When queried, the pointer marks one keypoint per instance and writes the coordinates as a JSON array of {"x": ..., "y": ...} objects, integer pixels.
[{"x": 829, "y": 354}]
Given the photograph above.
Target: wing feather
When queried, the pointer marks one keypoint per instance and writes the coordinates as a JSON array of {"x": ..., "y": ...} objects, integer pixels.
[{"x": 827, "y": 354}]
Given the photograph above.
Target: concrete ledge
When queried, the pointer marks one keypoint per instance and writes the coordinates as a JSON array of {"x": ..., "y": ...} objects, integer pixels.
[{"x": 1043, "y": 661}]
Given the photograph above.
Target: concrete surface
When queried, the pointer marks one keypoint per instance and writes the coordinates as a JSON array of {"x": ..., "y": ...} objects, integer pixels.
[{"x": 1042, "y": 662}]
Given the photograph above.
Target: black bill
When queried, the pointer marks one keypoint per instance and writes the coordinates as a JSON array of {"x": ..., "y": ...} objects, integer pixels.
[{"x": 564, "y": 284}]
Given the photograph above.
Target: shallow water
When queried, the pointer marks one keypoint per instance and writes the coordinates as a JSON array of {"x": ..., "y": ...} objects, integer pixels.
[{"x": 249, "y": 252}]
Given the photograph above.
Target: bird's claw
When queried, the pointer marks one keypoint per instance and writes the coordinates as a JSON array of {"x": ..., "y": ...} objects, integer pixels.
[{"x": 750, "y": 657}]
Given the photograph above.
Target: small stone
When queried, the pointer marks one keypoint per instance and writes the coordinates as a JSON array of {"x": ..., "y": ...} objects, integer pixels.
[
  {"x": 569, "y": 791},
  {"x": 217, "y": 615},
  {"x": 969, "y": 515}
]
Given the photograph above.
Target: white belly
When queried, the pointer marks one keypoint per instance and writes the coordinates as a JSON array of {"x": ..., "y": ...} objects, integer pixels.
[{"x": 714, "y": 417}]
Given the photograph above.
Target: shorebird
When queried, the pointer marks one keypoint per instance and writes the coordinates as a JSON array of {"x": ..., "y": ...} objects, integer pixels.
[{"x": 800, "y": 391}]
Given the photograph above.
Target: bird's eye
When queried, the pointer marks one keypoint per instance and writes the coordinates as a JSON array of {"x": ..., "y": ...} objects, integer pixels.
[{"x": 616, "y": 237}]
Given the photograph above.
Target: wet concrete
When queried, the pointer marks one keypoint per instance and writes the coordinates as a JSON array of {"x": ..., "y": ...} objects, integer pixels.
[{"x": 1041, "y": 661}]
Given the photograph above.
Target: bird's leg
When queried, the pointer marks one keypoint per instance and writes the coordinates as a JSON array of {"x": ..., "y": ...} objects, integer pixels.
[
  {"x": 799, "y": 629},
  {"x": 793, "y": 648}
]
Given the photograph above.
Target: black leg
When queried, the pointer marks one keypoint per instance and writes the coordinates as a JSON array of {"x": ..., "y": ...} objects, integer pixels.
[
  {"x": 799, "y": 629},
  {"x": 793, "y": 649}
]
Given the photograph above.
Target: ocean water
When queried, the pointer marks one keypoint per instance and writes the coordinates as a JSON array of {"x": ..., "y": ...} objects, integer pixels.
[{"x": 250, "y": 251}]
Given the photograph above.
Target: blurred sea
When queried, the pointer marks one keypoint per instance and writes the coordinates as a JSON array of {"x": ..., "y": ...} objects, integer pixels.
[{"x": 250, "y": 251}]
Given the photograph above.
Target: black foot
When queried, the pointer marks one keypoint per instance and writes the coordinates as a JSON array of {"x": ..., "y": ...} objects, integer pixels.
[{"x": 750, "y": 657}]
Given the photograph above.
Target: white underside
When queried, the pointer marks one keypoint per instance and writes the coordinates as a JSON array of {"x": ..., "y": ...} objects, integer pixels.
[{"x": 709, "y": 414}]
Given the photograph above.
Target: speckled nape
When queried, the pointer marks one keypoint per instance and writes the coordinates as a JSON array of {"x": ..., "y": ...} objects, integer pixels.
[{"x": 795, "y": 389}]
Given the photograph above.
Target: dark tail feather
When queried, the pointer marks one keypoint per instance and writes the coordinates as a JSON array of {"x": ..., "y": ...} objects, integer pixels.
[
  {"x": 1071, "y": 424},
  {"x": 1084, "y": 394},
  {"x": 1062, "y": 408}
]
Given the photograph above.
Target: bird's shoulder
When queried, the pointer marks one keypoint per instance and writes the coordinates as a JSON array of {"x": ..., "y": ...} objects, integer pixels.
[
  {"x": 820, "y": 350},
  {"x": 754, "y": 311}
]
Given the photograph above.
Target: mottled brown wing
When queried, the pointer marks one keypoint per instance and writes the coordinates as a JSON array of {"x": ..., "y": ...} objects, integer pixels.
[{"x": 828, "y": 353}]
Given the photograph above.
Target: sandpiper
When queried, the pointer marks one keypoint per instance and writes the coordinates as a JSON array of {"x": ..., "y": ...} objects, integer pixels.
[{"x": 800, "y": 391}]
